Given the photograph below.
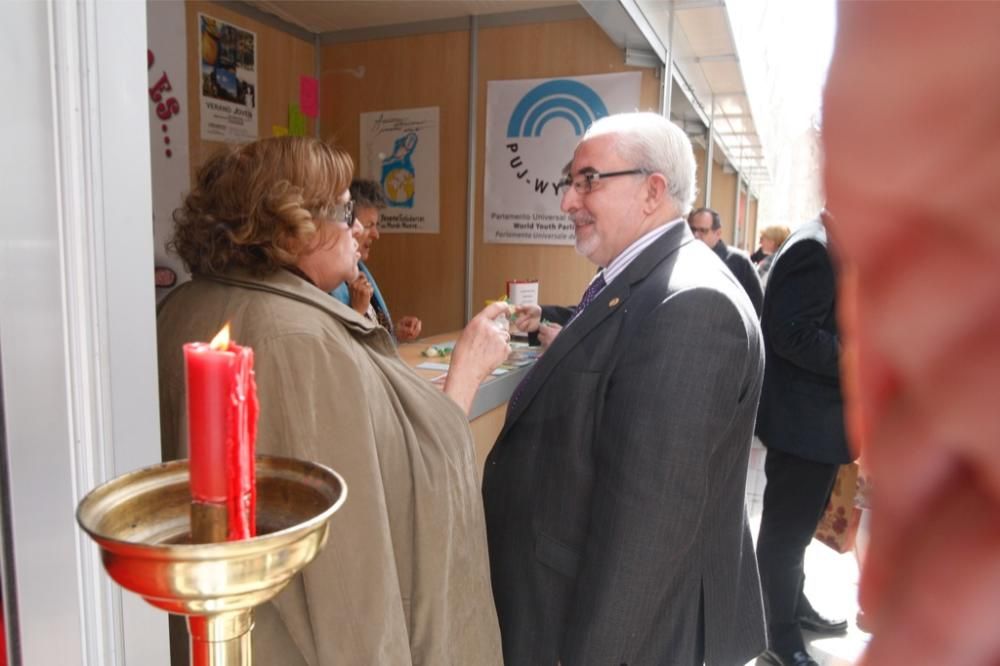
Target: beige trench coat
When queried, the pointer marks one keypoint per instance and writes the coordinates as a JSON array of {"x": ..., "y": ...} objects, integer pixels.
[{"x": 404, "y": 578}]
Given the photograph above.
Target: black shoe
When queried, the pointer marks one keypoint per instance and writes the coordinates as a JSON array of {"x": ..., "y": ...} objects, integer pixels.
[
  {"x": 811, "y": 620},
  {"x": 797, "y": 658}
]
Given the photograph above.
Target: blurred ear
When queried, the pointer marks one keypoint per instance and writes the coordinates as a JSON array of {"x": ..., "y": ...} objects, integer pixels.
[{"x": 655, "y": 190}]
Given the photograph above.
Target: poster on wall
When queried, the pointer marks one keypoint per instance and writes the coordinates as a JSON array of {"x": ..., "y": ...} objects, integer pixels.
[
  {"x": 228, "y": 88},
  {"x": 399, "y": 149},
  {"x": 532, "y": 127},
  {"x": 166, "y": 62}
]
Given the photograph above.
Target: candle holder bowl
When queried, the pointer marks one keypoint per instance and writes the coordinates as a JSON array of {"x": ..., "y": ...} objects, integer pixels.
[{"x": 141, "y": 523}]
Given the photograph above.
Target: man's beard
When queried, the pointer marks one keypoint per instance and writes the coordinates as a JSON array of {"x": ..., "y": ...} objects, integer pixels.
[{"x": 586, "y": 246}]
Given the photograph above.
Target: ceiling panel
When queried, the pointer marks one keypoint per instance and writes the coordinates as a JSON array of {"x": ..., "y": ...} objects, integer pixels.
[
  {"x": 707, "y": 30},
  {"x": 705, "y": 56}
]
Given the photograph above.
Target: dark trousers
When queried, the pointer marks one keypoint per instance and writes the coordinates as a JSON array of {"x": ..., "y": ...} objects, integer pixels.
[{"x": 795, "y": 496}]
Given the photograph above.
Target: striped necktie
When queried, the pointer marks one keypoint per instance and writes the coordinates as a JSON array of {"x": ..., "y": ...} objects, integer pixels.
[{"x": 593, "y": 289}]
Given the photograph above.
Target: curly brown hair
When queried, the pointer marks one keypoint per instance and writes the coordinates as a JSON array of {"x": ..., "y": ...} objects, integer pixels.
[{"x": 253, "y": 206}]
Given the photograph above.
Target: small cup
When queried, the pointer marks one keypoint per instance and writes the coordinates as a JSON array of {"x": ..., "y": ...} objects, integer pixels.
[{"x": 502, "y": 321}]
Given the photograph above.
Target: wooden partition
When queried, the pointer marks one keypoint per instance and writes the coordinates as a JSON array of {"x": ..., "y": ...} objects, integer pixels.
[
  {"x": 281, "y": 60},
  {"x": 562, "y": 48},
  {"x": 419, "y": 274},
  {"x": 724, "y": 199},
  {"x": 424, "y": 274}
]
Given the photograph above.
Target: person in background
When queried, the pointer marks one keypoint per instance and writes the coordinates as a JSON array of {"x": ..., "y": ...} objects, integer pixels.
[
  {"x": 771, "y": 239},
  {"x": 801, "y": 422},
  {"x": 404, "y": 578},
  {"x": 912, "y": 148},
  {"x": 362, "y": 293},
  {"x": 707, "y": 226},
  {"x": 614, "y": 494}
]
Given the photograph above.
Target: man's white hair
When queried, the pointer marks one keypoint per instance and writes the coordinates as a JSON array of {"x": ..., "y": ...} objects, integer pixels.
[{"x": 651, "y": 142}]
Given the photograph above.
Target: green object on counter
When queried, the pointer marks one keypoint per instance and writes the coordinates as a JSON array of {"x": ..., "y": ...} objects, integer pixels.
[{"x": 439, "y": 350}]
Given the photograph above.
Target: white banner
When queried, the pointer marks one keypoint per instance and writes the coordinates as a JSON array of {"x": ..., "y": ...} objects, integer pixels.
[
  {"x": 168, "y": 128},
  {"x": 228, "y": 90},
  {"x": 532, "y": 127},
  {"x": 399, "y": 149}
]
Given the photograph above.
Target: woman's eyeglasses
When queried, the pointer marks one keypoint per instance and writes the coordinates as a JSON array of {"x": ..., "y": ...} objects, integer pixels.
[{"x": 344, "y": 212}]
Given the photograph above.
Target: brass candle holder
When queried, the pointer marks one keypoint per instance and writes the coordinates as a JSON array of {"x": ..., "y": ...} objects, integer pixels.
[{"x": 141, "y": 522}]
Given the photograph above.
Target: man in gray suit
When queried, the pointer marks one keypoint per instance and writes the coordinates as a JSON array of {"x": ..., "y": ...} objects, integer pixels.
[{"x": 615, "y": 492}]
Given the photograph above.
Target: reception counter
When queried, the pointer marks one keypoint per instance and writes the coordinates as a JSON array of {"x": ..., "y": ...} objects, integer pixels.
[{"x": 490, "y": 404}]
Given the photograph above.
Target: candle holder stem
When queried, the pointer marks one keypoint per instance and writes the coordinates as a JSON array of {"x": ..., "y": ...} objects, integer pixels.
[
  {"x": 141, "y": 522},
  {"x": 222, "y": 639}
]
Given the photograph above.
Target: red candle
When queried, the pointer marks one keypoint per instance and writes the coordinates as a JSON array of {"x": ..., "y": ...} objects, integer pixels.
[{"x": 222, "y": 428}]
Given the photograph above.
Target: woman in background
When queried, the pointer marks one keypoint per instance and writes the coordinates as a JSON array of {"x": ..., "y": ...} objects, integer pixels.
[
  {"x": 404, "y": 578},
  {"x": 363, "y": 294},
  {"x": 771, "y": 239}
]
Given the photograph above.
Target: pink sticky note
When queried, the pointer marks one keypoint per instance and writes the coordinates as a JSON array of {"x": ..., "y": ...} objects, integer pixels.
[{"x": 309, "y": 96}]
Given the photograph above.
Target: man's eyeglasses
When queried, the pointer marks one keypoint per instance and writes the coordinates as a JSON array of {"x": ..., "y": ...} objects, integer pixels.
[{"x": 583, "y": 183}]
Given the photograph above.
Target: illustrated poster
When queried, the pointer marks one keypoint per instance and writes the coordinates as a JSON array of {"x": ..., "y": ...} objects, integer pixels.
[
  {"x": 400, "y": 149},
  {"x": 532, "y": 128}
]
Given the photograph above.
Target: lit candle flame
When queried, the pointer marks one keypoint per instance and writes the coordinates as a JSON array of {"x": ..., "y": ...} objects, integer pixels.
[{"x": 221, "y": 340}]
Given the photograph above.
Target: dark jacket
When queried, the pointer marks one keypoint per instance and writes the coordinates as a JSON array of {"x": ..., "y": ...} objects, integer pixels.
[
  {"x": 801, "y": 407},
  {"x": 741, "y": 266}
]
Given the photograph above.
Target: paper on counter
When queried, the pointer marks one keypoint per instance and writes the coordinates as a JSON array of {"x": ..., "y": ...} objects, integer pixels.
[{"x": 429, "y": 365}]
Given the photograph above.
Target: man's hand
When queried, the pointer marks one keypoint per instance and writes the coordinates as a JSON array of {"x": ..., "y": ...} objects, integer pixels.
[
  {"x": 547, "y": 332},
  {"x": 527, "y": 318},
  {"x": 361, "y": 293},
  {"x": 408, "y": 328}
]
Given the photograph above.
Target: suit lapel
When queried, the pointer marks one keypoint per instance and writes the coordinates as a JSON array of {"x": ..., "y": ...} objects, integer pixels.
[{"x": 610, "y": 302}]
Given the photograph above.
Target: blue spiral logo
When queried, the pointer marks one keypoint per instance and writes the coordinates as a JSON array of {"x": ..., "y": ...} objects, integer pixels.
[{"x": 571, "y": 101}]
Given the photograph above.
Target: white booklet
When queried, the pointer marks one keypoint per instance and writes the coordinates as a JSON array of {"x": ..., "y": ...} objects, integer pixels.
[{"x": 522, "y": 292}]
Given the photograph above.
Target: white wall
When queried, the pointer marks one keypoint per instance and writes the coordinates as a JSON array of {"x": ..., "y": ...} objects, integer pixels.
[{"x": 77, "y": 329}]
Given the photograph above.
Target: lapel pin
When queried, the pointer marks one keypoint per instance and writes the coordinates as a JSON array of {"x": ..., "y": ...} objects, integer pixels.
[{"x": 614, "y": 301}]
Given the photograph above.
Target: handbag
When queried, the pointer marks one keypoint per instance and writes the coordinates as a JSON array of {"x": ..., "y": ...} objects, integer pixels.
[{"x": 838, "y": 526}]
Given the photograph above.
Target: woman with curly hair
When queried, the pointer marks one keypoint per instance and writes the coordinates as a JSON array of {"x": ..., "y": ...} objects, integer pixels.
[{"x": 267, "y": 231}]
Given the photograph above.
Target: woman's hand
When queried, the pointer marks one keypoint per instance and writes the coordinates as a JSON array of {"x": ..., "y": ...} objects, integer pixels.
[
  {"x": 527, "y": 318},
  {"x": 547, "y": 332},
  {"x": 408, "y": 328},
  {"x": 361, "y": 293},
  {"x": 482, "y": 346}
]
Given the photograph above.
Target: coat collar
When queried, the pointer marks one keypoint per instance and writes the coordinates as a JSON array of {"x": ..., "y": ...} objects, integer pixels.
[
  {"x": 721, "y": 249},
  {"x": 289, "y": 285},
  {"x": 611, "y": 300}
]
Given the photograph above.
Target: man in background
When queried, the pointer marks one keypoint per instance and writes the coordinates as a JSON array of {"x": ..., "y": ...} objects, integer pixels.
[
  {"x": 801, "y": 422},
  {"x": 707, "y": 226},
  {"x": 615, "y": 492}
]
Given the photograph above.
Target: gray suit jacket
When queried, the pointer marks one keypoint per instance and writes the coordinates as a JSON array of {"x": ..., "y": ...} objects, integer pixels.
[{"x": 615, "y": 493}]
